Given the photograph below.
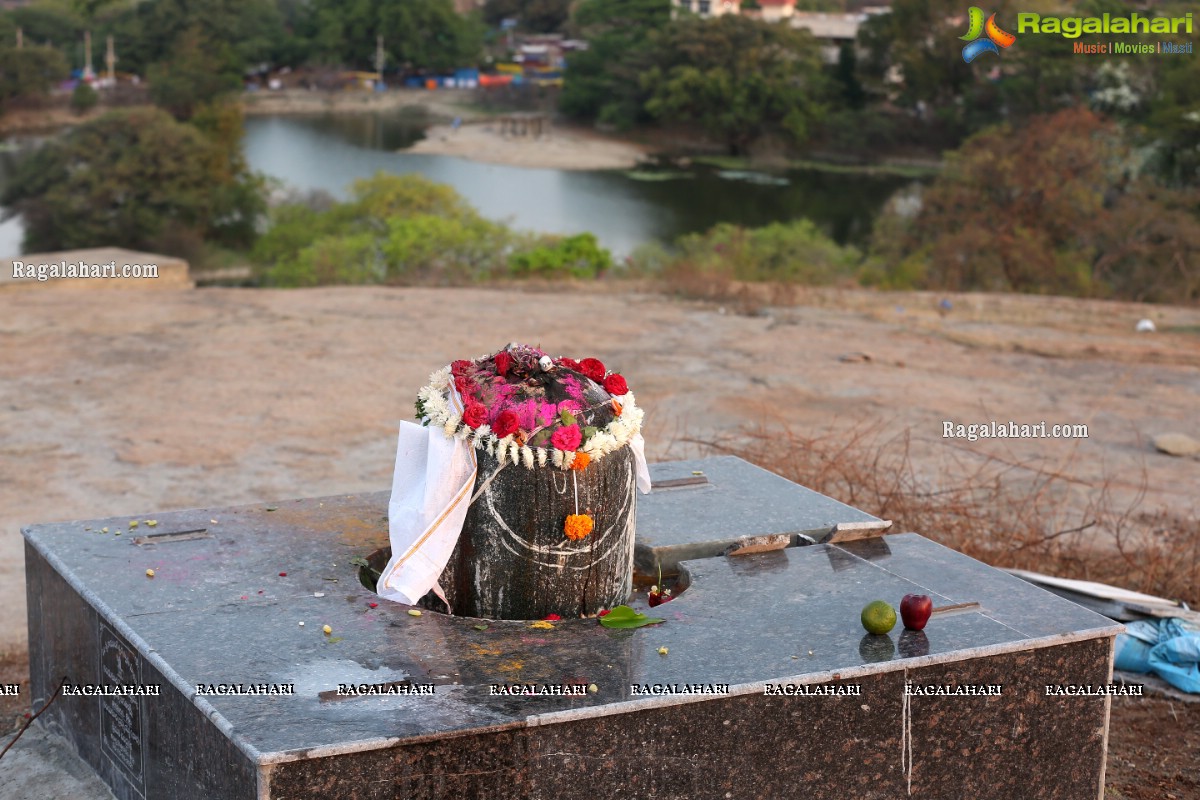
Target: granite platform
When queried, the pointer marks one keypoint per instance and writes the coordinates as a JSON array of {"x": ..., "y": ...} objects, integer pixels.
[
  {"x": 703, "y": 507},
  {"x": 637, "y": 718}
]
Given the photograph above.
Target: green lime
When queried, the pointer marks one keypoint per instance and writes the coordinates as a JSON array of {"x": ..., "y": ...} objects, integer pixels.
[{"x": 878, "y": 617}]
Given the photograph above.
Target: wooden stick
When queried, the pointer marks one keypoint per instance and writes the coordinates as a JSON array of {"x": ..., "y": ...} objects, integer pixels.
[{"x": 955, "y": 607}]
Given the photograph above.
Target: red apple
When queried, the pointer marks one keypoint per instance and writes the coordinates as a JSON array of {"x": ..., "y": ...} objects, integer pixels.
[{"x": 915, "y": 610}]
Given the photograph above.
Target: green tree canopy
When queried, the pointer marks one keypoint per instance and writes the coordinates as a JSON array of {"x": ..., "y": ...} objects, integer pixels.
[
  {"x": 604, "y": 82},
  {"x": 738, "y": 79},
  {"x": 198, "y": 72},
  {"x": 131, "y": 178},
  {"x": 416, "y": 33},
  {"x": 29, "y": 72}
]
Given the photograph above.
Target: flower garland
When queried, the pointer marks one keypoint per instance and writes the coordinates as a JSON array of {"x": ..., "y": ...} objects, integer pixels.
[{"x": 515, "y": 428}]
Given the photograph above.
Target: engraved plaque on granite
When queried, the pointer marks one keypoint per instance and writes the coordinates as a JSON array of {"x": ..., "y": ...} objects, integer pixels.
[{"x": 122, "y": 717}]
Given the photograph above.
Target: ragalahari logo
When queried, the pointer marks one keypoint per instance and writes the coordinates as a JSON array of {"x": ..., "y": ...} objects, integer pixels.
[{"x": 996, "y": 40}]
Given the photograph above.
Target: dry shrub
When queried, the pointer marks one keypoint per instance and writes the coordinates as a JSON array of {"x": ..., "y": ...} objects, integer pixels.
[{"x": 1006, "y": 514}]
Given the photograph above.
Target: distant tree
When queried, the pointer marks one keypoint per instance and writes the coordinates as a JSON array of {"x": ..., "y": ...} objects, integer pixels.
[
  {"x": 131, "y": 178},
  {"x": 199, "y": 72},
  {"x": 426, "y": 34},
  {"x": 83, "y": 98},
  {"x": 29, "y": 72},
  {"x": 1173, "y": 121},
  {"x": 738, "y": 79},
  {"x": 48, "y": 24},
  {"x": 1051, "y": 207},
  {"x": 603, "y": 83},
  {"x": 851, "y": 93},
  {"x": 249, "y": 32}
]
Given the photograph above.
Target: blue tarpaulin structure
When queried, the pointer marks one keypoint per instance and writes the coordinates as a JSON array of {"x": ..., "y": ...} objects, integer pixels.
[{"x": 1168, "y": 648}]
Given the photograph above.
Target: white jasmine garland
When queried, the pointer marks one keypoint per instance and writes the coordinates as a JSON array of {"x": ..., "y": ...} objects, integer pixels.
[{"x": 439, "y": 412}]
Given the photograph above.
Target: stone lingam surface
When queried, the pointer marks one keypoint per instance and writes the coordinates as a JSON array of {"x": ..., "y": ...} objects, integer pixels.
[{"x": 219, "y": 611}]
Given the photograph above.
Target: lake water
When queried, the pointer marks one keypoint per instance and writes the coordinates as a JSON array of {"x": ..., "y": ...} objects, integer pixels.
[{"x": 328, "y": 152}]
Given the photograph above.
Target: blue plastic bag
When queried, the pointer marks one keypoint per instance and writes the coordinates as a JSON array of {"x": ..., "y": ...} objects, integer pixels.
[
  {"x": 1133, "y": 647},
  {"x": 1176, "y": 657}
]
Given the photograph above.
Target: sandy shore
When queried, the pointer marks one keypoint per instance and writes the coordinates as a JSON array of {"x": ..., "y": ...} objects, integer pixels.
[
  {"x": 131, "y": 403},
  {"x": 560, "y": 148},
  {"x": 564, "y": 147}
]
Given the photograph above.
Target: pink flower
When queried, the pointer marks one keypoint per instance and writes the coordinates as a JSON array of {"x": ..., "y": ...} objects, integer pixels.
[
  {"x": 505, "y": 424},
  {"x": 593, "y": 368},
  {"x": 475, "y": 415},
  {"x": 503, "y": 362},
  {"x": 567, "y": 437},
  {"x": 615, "y": 385}
]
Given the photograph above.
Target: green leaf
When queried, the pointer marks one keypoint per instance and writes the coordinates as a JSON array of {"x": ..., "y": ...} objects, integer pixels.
[
  {"x": 567, "y": 417},
  {"x": 481, "y": 627},
  {"x": 623, "y": 617},
  {"x": 359, "y": 562},
  {"x": 589, "y": 432}
]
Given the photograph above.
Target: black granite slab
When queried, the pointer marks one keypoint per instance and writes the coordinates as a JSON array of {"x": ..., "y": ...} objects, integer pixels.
[
  {"x": 218, "y": 611},
  {"x": 738, "y": 500}
]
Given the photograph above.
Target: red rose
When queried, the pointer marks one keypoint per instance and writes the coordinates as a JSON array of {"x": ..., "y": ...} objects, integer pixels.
[
  {"x": 462, "y": 384},
  {"x": 567, "y": 437},
  {"x": 592, "y": 368},
  {"x": 505, "y": 424},
  {"x": 459, "y": 367},
  {"x": 615, "y": 385},
  {"x": 569, "y": 363},
  {"x": 503, "y": 362},
  {"x": 474, "y": 415}
]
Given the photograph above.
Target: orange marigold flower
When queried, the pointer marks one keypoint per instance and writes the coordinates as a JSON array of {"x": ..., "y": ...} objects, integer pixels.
[
  {"x": 581, "y": 460},
  {"x": 578, "y": 526},
  {"x": 616, "y": 407}
]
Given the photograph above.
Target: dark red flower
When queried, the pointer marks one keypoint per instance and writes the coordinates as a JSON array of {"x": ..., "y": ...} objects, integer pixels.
[
  {"x": 604, "y": 611},
  {"x": 373, "y": 605},
  {"x": 505, "y": 424},
  {"x": 463, "y": 384},
  {"x": 615, "y": 385},
  {"x": 283, "y": 574},
  {"x": 593, "y": 368},
  {"x": 459, "y": 367},
  {"x": 569, "y": 363},
  {"x": 503, "y": 362},
  {"x": 552, "y": 618},
  {"x": 474, "y": 415}
]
